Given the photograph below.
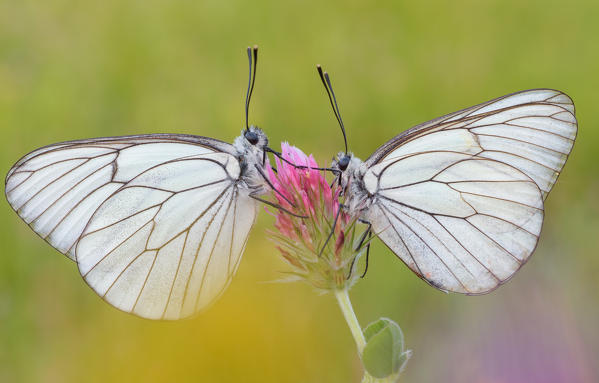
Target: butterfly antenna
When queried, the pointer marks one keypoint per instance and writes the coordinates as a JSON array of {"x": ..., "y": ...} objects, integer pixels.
[
  {"x": 326, "y": 81},
  {"x": 253, "y": 61}
]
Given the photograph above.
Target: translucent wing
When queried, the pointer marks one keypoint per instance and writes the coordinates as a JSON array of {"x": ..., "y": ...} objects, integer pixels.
[
  {"x": 156, "y": 223},
  {"x": 460, "y": 199},
  {"x": 533, "y": 130}
]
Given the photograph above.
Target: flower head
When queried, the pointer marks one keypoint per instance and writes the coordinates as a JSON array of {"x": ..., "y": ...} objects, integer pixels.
[{"x": 320, "y": 246}]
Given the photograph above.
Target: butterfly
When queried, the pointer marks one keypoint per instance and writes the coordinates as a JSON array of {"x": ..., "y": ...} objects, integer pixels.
[
  {"x": 460, "y": 199},
  {"x": 156, "y": 223}
]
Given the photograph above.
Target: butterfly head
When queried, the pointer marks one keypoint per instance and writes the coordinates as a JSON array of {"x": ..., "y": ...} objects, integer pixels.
[
  {"x": 252, "y": 141},
  {"x": 250, "y": 146},
  {"x": 347, "y": 165},
  {"x": 251, "y": 136},
  {"x": 350, "y": 174},
  {"x": 343, "y": 161}
]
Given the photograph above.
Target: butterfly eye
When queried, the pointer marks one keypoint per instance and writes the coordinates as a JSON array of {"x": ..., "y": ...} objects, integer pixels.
[
  {"x": 343, "y": 163},
  {"x": 251, "y": 137}
]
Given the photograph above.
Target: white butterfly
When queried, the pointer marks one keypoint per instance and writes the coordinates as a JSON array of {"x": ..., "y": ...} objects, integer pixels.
[
  {"x": 459, "y": 199},
  {"x": 156, "y": 223}
]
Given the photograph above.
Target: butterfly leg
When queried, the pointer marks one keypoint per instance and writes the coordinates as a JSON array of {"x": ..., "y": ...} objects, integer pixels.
[
  {"x": 255, "y": 196},
  {"x": 261, "y": 172},
  {"x": 367, "y": 234},
  {"x": 337, "y": 177},
  {"x": 332, "y": 230},
  {"x": 367, "y": 254},
  {"x": 263, "y": 157}
]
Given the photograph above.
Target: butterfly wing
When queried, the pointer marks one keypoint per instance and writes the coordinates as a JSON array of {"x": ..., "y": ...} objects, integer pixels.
[
  {"x": 156, "y": 223},
  {"x": 460, "y": 199}
]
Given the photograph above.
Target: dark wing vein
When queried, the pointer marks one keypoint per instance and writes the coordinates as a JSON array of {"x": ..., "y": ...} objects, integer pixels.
[
  {"x": 199, "y": 247},
  {"x": 220, "y": 228},
  {"x": 170, "y": 293},
  {"x": 70, "y": 189},
  {"x": 428, "y": 246},
  {"x": 384, "y": 210},
  {"x": 466, "y": 249}
]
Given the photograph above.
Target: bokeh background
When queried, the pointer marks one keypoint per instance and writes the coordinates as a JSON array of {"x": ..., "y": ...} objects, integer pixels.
[{"x": 76, "y": 69}]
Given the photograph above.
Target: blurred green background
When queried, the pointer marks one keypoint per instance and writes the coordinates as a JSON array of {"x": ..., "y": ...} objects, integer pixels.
[{"x": 77, "y": 69}]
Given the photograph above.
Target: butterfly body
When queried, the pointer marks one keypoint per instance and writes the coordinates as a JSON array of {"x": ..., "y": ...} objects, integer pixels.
[{"x": 251, "y": 157}]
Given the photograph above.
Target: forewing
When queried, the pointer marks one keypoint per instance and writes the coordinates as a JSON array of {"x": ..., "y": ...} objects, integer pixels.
[
  {"x": 533, "y": 131},
  {"x": 56, "y": 189},
  {"x": 157, "y": 225}
]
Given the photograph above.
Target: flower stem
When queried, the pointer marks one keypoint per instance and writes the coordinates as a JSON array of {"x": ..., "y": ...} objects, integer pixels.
[
  {"x": 350, "y": 317},
  {"x": 354, "y": 326}
]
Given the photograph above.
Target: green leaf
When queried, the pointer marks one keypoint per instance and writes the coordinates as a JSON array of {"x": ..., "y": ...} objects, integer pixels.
[{"x": 384, "y": 354}]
